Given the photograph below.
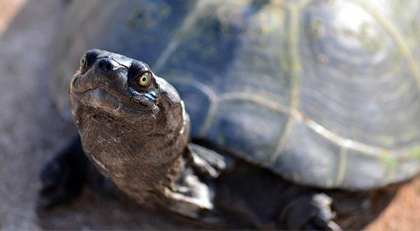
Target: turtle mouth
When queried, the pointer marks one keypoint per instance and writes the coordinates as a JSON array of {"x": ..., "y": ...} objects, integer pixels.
[{"x": 98, "y": 98}]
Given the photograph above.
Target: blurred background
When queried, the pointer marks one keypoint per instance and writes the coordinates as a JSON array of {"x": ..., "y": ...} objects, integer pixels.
[{"x": 31, "y": 131}]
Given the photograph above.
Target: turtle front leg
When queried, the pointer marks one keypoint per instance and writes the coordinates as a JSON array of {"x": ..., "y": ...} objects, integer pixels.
[
  {"x": 63, "y": 177},
  {"x": 208, "y": 163},
  {"x": 193, "y": 193}
]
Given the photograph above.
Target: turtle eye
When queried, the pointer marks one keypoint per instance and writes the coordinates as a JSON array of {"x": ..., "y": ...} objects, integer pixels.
[
  {"x": 144, "y": 79},
  {"x": 83, "y": 62}
]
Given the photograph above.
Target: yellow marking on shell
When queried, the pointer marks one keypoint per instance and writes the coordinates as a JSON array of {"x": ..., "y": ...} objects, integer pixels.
[
  {"x": 397, "y": 37},
  {"x": 346, "y": 144},
  {"x": 199, "y": 85},
  {"x": 317, "y": 28},
  {"x": 295, "y": 70},
  {"x": 212, "y": 96},
  {"x": 360, "y": 147},
  {"x": 402, "y": 44},
  {"x": 215, "y": 104},
  {"x": 210, "y": 117},
  {"x": 173, "y": 44},
  {"x": 341, "y": 168},
  {"x": 390, "y": 164},
  {"x": 341, "y": 141},
  {"x": 255, "y": 98},
  {"x": 240, "y": 96}
]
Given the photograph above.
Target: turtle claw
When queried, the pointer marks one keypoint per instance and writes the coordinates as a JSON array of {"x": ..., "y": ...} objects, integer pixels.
[
  {"x": 310, "y": 212},
  {"x": 63, "y": 178},
  {"x": 323, "y": 218},
  {"x": 207, "y": 162},
  {"x": 320, "y": 223}
]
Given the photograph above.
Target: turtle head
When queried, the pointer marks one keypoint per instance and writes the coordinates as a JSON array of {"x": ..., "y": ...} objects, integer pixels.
[
  {"x": 115, "y": 87},
  {"x": 126, "y": 115}
]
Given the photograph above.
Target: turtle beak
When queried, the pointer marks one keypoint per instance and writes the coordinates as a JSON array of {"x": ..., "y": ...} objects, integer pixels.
[
  {"x": 104, "y": 70},
  {"x": 97, "y": 68}
]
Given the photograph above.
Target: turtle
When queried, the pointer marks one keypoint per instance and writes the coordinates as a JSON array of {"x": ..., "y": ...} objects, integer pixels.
[{"x": 298, "y": 114}]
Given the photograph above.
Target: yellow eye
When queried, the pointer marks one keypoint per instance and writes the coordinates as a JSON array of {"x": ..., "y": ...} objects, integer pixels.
[
  {"x": 83, "y": 61},
  {"x": 145, "y": 79}
]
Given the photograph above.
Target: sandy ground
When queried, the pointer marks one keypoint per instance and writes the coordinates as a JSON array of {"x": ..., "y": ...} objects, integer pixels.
[{"x": 31, "y": 131}]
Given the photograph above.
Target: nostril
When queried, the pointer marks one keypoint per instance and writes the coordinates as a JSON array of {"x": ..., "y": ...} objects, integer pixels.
[
  {"x": 108, "y": 66},
  {"x": 105, "y": 65},
  {"x": 101, "y": 64}
]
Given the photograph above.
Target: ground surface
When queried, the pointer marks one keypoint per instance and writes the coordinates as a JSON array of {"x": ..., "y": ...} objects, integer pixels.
[{"x": 31, "y": 131}]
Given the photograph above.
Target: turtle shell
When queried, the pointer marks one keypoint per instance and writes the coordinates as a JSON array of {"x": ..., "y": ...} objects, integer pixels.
[{"x": 323, "y": 93}]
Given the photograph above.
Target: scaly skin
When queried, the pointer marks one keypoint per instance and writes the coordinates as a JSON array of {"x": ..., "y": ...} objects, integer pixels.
[{"x": 134, "y": 134}]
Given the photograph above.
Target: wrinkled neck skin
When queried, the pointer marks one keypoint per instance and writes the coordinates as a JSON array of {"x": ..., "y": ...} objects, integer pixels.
[{"x": 139, "y": 150}]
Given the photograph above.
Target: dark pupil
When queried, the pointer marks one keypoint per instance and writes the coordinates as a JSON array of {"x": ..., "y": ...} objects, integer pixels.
[{"x": 143, "y": 79}]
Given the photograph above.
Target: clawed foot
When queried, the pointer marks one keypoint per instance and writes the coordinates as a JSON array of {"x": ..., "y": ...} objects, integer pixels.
[
  {"x": 208, "y": 162},
  {"x": 312, "y": 212},
  {"x": 323, "y": 218},
  {"x": 321, "y": 223}
]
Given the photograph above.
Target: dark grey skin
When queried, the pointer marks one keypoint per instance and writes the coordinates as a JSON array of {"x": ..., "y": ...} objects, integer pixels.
[{"x": 134, "y": 129}]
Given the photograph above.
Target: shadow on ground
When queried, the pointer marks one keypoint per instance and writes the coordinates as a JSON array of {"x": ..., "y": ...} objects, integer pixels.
[{"x": 31, "y": 130}]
